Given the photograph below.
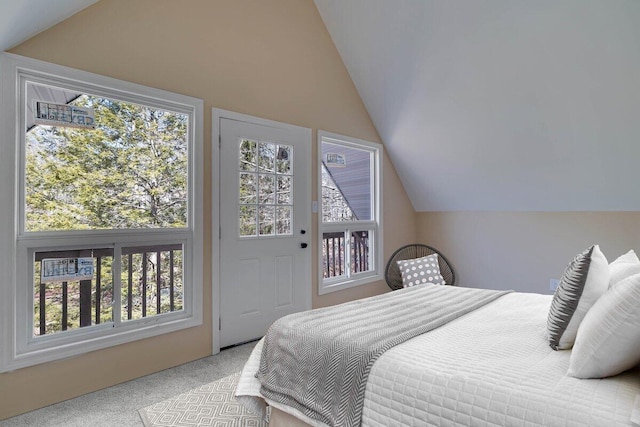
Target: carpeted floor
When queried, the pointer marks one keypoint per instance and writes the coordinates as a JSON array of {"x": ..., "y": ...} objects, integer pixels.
[{"x": 118, "y": 405}]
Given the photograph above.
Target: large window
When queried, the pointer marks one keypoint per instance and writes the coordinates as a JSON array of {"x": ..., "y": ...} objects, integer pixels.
[
  {"x": 103, "y": 180},
  {"x": 350, "y": 212}
]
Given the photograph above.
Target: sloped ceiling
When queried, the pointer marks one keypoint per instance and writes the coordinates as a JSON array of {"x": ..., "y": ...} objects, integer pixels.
[
  {"x": 23, "y": 19},
  {"x": 500, "y": 105}
]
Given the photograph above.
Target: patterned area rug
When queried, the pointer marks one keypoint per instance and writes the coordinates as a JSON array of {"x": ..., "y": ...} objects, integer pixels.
[{"x": 212, "y": 404}]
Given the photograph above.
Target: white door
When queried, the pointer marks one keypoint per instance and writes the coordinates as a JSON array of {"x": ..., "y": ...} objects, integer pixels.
[{"x": 265, "y": 251}]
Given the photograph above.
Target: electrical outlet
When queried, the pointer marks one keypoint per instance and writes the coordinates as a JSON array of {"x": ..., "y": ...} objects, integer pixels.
[{"x": 553, "y": 284}]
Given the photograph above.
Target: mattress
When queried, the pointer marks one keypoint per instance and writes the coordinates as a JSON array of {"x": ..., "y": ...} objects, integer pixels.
[{"x": 491, "y": 367}]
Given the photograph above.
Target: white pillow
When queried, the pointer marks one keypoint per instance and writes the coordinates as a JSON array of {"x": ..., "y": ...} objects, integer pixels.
[
  {"x": 608, "y": 340},
  {"x": 583, "y": 282},
  {"x": 629, "y": 257},
  {"x": 421, "y": 270},
  {"x": 624, "y": 266}
]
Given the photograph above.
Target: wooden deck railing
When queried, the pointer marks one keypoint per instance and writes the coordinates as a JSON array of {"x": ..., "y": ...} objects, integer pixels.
[
  {"x": 145, "y": 251},
  {"x": 360, "y": 251},
  {"x": 88, "y": 298},
  {"x": 333, "y": 247}
]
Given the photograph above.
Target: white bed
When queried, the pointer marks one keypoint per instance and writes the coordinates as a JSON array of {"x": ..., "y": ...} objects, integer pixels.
[{"x": 491, "y": 367}]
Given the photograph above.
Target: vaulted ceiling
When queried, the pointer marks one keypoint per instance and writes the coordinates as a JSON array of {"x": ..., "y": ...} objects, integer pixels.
[
  {"x": 512, "y": 105},
  {"x": 500, "y": 104}
]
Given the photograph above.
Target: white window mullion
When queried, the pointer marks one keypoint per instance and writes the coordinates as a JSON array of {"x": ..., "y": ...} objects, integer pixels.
[
  {"x": 116, "y": 302},
  {"x": 347, "y": 251}
]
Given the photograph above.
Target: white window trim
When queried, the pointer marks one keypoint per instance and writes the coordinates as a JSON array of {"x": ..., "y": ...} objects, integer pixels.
[
  {"x": 18, "y": 351},
  {"x": 326, "y": 286}
]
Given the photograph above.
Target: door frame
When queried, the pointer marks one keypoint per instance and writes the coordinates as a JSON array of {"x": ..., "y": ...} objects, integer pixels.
[{"x": 218, "y": 114}]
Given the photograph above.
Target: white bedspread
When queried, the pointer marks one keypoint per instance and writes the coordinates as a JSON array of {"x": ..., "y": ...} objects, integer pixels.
[{"x": 491, "y": 367}]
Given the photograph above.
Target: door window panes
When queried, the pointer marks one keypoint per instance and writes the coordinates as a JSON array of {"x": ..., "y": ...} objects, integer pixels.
[{"x": 265, "y": 189}]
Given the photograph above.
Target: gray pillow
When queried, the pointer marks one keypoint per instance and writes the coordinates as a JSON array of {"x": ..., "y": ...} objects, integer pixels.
[
  {"x": 583, "y": 282},
  {"x": 421, "y": 270}
]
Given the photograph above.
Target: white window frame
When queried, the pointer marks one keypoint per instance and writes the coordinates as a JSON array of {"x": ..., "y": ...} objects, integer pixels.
[
  {"x": 350, "y": 279},
  {"x": 18, "y": 347}
]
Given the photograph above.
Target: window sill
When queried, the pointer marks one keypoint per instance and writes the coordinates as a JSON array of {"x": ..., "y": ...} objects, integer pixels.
[
  {"x": 326, "y": 288},
  {"x": 107, "y": 337}
]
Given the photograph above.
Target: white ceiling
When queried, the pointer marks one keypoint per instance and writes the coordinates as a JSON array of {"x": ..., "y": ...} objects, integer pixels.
[
  {"x": 23, "y": 19},
  {"x": 500, "y": 104},
  {"x": 482, "y": 105}
]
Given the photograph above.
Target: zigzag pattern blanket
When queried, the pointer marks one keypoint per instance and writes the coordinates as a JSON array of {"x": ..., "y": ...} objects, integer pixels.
[{"x": 318, "y": 361}]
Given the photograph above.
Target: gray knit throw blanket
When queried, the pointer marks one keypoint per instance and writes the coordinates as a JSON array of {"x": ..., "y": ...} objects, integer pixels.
[{"x": 318, "y": 361}]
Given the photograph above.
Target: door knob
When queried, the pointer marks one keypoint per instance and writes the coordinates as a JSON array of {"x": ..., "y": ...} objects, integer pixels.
[
  {"x": 303, "y": 231},
  {"x": 303, "y": 245}
]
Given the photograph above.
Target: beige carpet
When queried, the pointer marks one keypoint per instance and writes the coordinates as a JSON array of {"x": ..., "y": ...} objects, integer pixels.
[{"x": 212, "y": 404}]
